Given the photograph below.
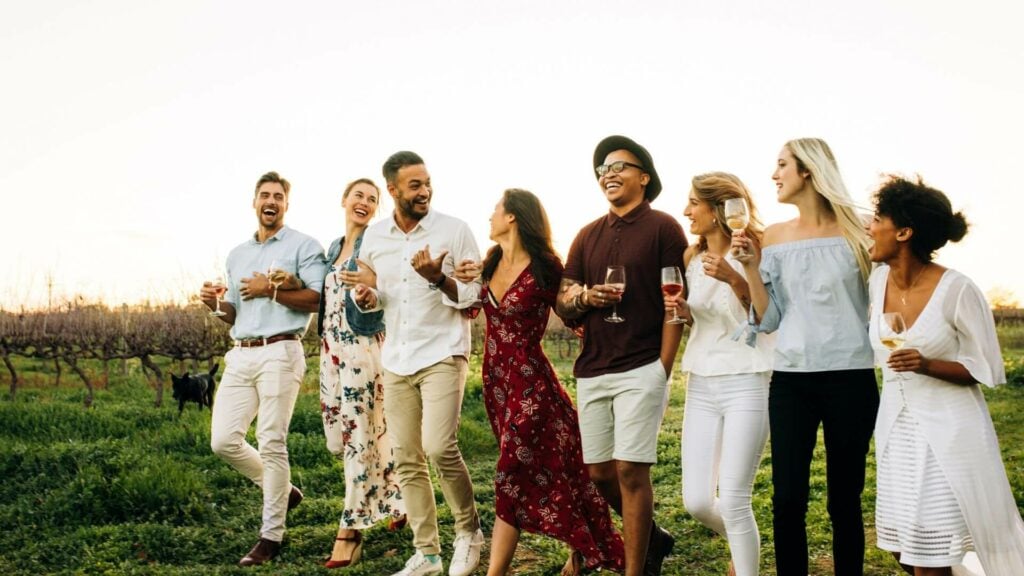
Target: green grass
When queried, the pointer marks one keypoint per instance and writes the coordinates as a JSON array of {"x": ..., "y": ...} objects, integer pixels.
[{"x": 127, "y": 488}]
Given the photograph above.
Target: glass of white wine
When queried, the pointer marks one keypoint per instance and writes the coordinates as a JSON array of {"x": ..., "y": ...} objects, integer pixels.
[
  {"x": 892, "y": 331},
  {"x": 220, "y": 287},
  {"x": 615, "y": 278},
  {"x": 737, "y": 217},
  {"x": 276, "y": 275}
]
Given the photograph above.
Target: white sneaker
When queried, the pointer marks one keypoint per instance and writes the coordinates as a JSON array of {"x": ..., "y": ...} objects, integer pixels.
[
  {"x": 467, "y": 553},
  {"x": 419, "y": 564}
]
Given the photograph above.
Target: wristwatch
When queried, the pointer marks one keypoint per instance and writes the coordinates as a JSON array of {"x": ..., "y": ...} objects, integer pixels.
[{"x": 440, "y": 283}]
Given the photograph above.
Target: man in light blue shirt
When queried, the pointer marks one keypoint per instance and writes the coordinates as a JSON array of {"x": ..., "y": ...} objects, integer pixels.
[{"x": 265, "y": 368}]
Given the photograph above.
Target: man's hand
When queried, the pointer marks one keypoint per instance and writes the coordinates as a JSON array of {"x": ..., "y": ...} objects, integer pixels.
[
  {"x": 256, "y": 287},
  {"x": 427, "y": 267},
  {"x": 208, "y": 295}
]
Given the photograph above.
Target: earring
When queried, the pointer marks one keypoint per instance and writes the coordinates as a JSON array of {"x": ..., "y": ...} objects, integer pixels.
[{"x": 714, "y": 220}]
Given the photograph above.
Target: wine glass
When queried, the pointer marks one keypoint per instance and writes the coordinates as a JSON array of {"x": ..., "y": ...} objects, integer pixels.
[
  {"x": 892, "y": 332},
  {"x": 737, "y": 217},
  {"x": 615, "y": 278},
  {"x": 219, "y": 287},
  {"x": 276, "y": 275},
  {"x": 671, "y": 285}
]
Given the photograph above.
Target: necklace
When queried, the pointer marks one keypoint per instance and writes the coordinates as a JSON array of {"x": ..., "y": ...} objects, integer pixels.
[{"x": 903, "y": 293}]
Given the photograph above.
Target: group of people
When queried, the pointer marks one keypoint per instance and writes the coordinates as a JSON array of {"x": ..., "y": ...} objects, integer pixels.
[{"x": 787, "y": 324}]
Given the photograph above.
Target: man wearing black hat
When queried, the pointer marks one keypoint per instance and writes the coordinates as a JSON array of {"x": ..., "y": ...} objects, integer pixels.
[{"x": 623, "y": 369}]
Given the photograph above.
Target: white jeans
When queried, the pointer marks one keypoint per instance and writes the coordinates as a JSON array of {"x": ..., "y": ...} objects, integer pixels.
[
  {"x": 725, "y": 426},
  {"x": 260, "y": 383}
]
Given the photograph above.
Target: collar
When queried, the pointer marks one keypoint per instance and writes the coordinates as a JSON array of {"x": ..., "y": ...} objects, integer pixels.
[
  {"x": 279, "y": 235},
  {"x": 426, "y": 223},
  {"x": 631, "y": 216}
]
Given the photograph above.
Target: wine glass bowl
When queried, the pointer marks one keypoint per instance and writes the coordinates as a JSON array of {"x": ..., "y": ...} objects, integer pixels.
[
  {"x": 220, "y": 288},
  {"x": 276, "y": 273},
  {"x": 615, "y": 279},
  {"x": 892, "y": 330},
  {"x": 672, "y": 285},
  {"x": 737, "y": 217}
]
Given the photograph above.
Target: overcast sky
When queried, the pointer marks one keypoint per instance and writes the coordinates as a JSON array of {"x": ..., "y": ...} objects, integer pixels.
[{"x": 134, "y": 132}]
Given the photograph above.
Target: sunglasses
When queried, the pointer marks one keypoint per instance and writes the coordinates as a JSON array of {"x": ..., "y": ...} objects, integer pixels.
[{"x": 615, "y": 167}]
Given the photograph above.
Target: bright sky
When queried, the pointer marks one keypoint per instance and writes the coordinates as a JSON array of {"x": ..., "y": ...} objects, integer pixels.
[{"x": 134, "y": 132}]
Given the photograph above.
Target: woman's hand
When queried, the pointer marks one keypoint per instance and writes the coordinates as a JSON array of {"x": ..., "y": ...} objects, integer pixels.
[
  {"x": 718, "y": 268},
  {"x": 468, "y": 271},
  {"x": 677, "y": 305},
  {"x": 363, "y": 274},
  {"x": 745, "y": 251},
  {"x": 907, "y": 360}
]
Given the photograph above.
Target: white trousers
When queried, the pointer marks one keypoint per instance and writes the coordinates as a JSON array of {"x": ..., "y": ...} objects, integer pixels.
[
  {"x": 725, "y": 427},
  {"x": 260, "y": 383}
]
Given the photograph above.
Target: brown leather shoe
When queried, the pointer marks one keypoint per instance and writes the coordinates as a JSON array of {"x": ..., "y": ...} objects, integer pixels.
[
  {"x": 659, "y": 546},
  {"x": 263, "y": 551},
  {"x": 294, "y": 498}
]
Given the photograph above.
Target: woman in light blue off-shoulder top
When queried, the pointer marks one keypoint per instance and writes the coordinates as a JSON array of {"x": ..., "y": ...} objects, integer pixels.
[{"x": 809, "y": 287}]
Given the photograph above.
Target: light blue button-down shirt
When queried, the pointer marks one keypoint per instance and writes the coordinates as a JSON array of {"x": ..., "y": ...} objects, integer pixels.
[
  {"x": 295, "y": 252},
  {"x": 818, "y": 306}
]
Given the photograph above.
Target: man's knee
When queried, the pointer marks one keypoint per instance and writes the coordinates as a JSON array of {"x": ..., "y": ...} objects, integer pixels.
[{"x": 634, "y": 476}]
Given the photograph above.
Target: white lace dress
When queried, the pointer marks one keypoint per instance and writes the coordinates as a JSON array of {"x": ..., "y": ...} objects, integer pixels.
[{"x": 942, "y": 487}]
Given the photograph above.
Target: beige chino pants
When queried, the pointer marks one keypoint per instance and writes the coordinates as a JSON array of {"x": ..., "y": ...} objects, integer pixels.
[
  {"x": 262, "y": 384},
  {"x": 423, "y": 411}
]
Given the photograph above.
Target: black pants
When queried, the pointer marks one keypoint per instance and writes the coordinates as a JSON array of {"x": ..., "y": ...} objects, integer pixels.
[{"x": 845, "y": 402}]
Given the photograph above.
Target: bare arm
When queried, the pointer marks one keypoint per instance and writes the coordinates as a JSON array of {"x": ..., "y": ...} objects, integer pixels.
[
  {"x": 570, "y": 303},
  {"x": 671, "y": 334},
  {"x": 911, "y": 360},
  {"x": 756, "y": 293},
  {"x": 290, "y": 293}
]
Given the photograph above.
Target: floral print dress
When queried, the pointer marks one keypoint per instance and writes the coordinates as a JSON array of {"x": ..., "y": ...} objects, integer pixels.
[
  {"x": 352, "y": 404},
  {"x": 541, "y": 485}
]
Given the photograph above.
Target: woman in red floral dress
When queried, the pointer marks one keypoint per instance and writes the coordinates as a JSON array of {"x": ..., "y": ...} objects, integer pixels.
[{"x": 541, "y": 484}]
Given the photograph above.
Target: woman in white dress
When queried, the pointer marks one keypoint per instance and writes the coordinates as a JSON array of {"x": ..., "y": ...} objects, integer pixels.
[
  {"x": 351, "y": 388},
  {"x": 942, "y": 487},
  {"x": 725, "y": 424}
]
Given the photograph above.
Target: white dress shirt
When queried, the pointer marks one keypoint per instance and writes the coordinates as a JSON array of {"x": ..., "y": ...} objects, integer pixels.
[{"x": 423, "y": 325}]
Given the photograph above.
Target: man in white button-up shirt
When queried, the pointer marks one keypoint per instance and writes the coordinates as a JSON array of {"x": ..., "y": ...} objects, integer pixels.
[{"x": 424, "y": 357}]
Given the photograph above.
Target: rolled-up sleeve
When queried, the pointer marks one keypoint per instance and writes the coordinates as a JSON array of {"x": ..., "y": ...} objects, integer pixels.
[
  {"x": 312, "y": 266},
  {"x": 463, "y": 248}
]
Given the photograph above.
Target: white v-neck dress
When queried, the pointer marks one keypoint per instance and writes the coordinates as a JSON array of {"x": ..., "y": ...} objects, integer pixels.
[{"x": 942, "y": 487}]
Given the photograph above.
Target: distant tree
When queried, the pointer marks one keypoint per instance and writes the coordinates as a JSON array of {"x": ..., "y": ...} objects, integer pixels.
[{"x": 1002, "y": 298}]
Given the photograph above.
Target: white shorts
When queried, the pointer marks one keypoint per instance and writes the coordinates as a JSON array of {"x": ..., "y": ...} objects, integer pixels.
[{"x": 621, "y": 414}]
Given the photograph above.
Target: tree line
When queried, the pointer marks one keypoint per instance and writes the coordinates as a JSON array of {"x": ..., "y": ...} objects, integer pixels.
[{"x": 74, "y": 332}]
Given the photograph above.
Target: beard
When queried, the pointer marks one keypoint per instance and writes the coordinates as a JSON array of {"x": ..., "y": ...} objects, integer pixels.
[{"x": 409, "y": 209}]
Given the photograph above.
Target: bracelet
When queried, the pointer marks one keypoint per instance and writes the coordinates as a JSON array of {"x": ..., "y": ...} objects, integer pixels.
[{"x": 440, "y": 283}]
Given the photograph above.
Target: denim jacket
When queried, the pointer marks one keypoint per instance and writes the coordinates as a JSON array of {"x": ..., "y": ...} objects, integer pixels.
[{"x": 362, "y": 323}]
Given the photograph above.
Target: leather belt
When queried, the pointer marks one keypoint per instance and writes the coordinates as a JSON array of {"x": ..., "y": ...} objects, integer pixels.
[{"x": 254, "y": 342}]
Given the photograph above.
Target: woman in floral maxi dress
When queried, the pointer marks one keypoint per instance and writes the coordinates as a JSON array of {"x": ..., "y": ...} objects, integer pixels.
[
  {"x": 351, "y": 391},
  {"x": 541, "y": 484}
]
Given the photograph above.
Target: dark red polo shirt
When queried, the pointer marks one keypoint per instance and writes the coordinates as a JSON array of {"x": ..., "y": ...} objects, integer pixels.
[{"x": 644, "y": 241}]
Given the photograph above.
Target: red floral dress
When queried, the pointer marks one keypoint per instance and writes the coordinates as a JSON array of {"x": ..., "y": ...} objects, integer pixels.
[{"x": 541, "y": 484}]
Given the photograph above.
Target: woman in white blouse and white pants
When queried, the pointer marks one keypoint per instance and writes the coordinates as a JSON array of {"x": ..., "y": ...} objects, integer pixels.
[{"x": 725, "y": 425}]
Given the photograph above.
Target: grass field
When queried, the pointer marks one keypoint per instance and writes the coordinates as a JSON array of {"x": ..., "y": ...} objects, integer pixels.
[{"x": 126, "y": 488}]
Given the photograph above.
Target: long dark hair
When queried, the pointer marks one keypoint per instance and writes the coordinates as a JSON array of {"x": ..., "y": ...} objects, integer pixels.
[{"x": 534, "y": 233}]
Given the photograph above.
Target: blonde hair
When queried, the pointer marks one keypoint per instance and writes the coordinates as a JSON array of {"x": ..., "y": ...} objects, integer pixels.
[
  {"x": 714, "y": 188},
  {"x": 814, "y": 156}
]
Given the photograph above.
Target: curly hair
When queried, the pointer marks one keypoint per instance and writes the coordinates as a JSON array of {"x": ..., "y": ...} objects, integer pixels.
[{"x": 923, "y": 209}]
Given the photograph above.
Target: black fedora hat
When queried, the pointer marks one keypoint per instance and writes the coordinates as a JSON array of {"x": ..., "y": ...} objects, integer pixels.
[{"x": 613, "y": 143}]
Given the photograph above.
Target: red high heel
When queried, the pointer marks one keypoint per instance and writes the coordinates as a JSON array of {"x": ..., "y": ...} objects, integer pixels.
[
  {"x": 396, "y": 524},
  {"x": 356, "y": 552}
]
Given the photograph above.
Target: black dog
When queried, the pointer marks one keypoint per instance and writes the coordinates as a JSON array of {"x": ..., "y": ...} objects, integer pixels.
[{"x": 198, "y": 389}]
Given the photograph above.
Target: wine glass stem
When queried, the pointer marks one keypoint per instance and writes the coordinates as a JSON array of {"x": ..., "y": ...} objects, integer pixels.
[{"x": 218, "y": 304}]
